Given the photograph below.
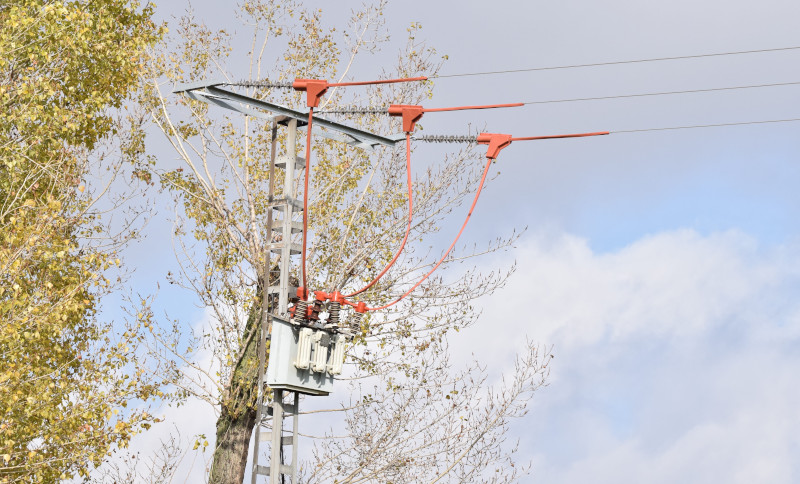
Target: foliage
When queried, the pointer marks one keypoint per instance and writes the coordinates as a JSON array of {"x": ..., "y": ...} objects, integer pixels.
[{"x": 64, "y": 376}]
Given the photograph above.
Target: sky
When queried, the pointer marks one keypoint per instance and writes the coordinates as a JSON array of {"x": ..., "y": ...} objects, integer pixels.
[{"x": 660, "y": 266}]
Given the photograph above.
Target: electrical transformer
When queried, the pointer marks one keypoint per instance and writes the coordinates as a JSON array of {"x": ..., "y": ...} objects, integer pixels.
[{"x": 304, "y": 359}]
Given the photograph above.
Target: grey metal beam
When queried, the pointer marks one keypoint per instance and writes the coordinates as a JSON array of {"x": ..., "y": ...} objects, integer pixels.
[
  {"x": 212, "y": 93},
  {"x": 220, "y": 101},
  {"x": 191, "y": 86},
  {"x": 208, "y": 98}
]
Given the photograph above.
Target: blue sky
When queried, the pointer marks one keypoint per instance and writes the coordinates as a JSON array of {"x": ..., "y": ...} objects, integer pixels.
[{"x": 660, "y": 265}]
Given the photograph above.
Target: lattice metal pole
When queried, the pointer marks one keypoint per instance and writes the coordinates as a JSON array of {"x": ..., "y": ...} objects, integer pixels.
[
  {"x": 275, "y": 461},
  {"x": 288, "y": 195},
  {"x": 295, "y": 430},
  {"x": 265, "y": 309},
  {"x": 282, "y": 292}
]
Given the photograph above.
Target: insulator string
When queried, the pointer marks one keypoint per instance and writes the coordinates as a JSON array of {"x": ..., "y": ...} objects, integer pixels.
[
  {"x": 355, "y": 110},
  {"x": 265, "y": 83},
  {"x": 444, "y": 138}
]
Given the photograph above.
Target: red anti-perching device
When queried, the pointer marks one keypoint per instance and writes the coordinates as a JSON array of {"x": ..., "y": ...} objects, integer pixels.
[
  {"x": 316, "y": 88},
  {"x": 411, "y": 114},
  {"x": 497, "y": 141}
]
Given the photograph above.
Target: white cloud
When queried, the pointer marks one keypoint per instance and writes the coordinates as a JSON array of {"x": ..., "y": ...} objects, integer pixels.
[
  {"x": 675, "y": 361},
  {"x": 676, "y": 358}
]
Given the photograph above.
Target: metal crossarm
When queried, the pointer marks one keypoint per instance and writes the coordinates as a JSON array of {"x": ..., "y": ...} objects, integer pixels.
[{"x": 212, "y": 93}]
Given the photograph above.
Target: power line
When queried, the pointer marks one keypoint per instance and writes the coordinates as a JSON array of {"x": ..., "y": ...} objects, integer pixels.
[
  {"x": 473, "y": 138},
  {"x": 597, "y": 64},
  {"x": 664, "y": 93},
  {"x": 383, "y": 110},
  {"x": 706, "y": 126}
]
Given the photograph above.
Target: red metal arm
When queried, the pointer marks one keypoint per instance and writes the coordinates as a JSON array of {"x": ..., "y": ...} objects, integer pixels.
[
  {"x": 411, "y": 114},
  {"x": 497, "y": 141},
  {"x": 316, "y": 88}
]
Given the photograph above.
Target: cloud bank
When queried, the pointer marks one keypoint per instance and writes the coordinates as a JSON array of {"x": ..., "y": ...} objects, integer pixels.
[{"x": 677, "y": 357}]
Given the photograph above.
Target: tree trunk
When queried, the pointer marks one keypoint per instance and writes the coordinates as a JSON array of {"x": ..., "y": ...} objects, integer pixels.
[
  {"x": 238, "y": 411},
  {"x": 233, "y": 440}
]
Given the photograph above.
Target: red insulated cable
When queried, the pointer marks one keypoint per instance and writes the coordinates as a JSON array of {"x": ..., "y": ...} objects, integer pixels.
[
  {"x": 408, "y": 229},
  {"x": 556, "y": 136},
  {"x": 303, "y": 281},
  {"x": 460, "y": 108},
  {"x": 471, "y": 209},
  {"x": 382, "y": 81}
]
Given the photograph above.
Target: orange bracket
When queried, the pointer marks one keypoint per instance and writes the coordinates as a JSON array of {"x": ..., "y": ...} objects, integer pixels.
[
  {"x": 496, "y": 143},
  {"x": 314, "y": 88},
  {"x": 411, "y": 115}
]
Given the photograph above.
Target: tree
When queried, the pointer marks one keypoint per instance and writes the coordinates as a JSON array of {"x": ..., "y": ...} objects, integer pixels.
[
  {"x": 66, "y": 67},
  {"x": 357, "y": 217}
]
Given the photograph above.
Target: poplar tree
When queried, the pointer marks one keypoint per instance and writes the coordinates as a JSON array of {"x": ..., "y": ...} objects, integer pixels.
[
  {"x": 66, "y": 68},
  {"x": 413, "y": 419}
]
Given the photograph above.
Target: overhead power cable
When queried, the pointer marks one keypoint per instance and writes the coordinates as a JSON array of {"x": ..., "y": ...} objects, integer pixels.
[
  {"x": 449, "y": 249},
  {"x": 612, "y": 63},
  {"x": 383, "y": 110},
  {"x": 664, "y": 93},
  {"x": 443, "y": 138},
  {"x": 408, "y": 227},
  {"x": 315, "y": 89},
  {"x": 707, "y": 125}
]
